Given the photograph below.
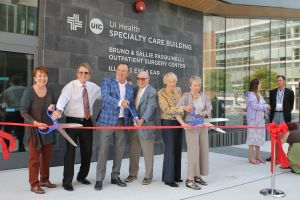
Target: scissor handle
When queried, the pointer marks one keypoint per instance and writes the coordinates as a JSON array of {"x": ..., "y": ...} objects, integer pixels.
[
  {"x": 195, "y": 122},
  {"x": 131, "y": 112},
  {"x": 49, "y": 130},
  {"x": 198, "y": 119}
]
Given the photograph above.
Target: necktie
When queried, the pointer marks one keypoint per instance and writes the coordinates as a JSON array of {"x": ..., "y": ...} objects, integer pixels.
[
  {"x": 86, "y": 105},
  {"x": 137, "y": 98}
]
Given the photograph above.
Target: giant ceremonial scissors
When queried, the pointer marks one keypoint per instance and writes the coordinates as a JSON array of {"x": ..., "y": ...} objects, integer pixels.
[
  {"x": 198, "y": 120},
  {"x": 56, "y": 125}
]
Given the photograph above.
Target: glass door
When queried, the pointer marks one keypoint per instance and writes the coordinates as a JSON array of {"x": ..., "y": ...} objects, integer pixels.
[{"x": 15, "y": 76}]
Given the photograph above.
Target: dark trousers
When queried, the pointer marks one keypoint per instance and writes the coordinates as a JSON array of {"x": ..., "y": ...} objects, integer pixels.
[
  {"x": 86, "y": 145},
  {"x": 18, "y": 130},
  {"x": 172, "y": 155},
  {"x": 39, "y": 163}
]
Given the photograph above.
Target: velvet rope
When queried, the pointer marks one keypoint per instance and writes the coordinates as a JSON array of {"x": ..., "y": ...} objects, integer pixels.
[{"x": 276, "y": 133}]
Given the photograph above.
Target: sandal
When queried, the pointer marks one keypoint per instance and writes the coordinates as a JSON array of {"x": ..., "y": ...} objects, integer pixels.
[
  {"x": 199, "y": 180},
  {"x": 191, "y": 184}
]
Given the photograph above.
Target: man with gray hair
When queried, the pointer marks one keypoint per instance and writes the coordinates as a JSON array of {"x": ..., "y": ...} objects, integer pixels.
[
  {"x": 76, "y": 101},
  {"x": 146, "y": 106}
]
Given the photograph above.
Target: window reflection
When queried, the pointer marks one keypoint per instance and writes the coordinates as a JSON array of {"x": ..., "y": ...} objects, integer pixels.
[
  {"x": 15, "y": 70},
  {"x": 245, "y": 49},
  {"x": 19, "y": 16},
  {"x": 214, "y": 63}
]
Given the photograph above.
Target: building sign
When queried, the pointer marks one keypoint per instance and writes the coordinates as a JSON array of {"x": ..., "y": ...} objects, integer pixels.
[
  {"x": 74, "y": 22},
  {"x": 96, "y": 26},
  {"x": 153, "y": 59}
]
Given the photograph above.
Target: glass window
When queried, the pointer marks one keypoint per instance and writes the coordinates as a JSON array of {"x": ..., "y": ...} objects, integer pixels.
[
  {"x": 237, "y": 63},
  {"x": 214, "y": 63},
  {"x": 247, "y": 49},
  {"x": 21, "y": 19},
  {"x": 19, "y": 16}
]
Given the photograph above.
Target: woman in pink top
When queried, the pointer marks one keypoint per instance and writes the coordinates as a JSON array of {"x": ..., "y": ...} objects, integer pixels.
[{"x": 256, "y": 109}]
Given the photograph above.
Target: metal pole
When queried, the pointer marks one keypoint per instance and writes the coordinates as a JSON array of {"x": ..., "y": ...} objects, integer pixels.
[
  {"x": 274, "y": 170},
  {"x": 272, "y": 191}
]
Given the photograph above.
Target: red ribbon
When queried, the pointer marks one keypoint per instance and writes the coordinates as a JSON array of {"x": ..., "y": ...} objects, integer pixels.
[
  {"x": 276, "y": 133},
  {"x": 130, "y": 127},
  {"x": 12, "y": 144}
]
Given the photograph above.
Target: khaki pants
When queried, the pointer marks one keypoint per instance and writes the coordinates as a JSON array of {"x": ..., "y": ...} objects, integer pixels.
[
  {"x": 147, "y": 145},
  {"x": 197, "y": 150}
]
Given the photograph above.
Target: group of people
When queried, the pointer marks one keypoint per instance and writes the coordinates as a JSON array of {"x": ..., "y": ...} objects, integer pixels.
[
  {"x": 123, "y": 104},
  {"x": 279, "y": 110}
]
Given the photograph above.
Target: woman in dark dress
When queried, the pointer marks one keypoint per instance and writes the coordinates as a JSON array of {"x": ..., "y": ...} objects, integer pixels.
[{"x": 35, "y": 102}]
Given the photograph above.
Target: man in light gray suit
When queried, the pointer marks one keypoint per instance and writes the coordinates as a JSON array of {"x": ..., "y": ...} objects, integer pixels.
[{"x": 146, "y": 106}]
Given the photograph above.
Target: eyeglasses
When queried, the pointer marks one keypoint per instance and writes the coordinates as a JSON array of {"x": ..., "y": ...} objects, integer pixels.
[
  {"x": 140, "y": 79},
  {"x": 86, "y": 73}
]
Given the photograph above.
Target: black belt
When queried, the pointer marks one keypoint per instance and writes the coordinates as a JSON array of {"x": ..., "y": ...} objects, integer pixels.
[
  {"x": 79, "y": 119},
  {"x": 278, "y": 111}
]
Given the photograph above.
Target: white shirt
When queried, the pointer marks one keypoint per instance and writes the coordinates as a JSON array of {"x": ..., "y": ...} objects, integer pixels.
[
  {"x": 279, "y": 99},
  {"x": 142, "y": 90},
  {"x": 71, "y": 101},
  {"x": 122, "y": 97}
]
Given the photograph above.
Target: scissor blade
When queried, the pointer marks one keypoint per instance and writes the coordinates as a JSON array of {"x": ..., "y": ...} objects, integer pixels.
[
  {"x": 65, "y": 134},
  {"x": 208, "y": 120},
  {"x": 216, "y": 129},
  {"x": 71, "y": 125}
]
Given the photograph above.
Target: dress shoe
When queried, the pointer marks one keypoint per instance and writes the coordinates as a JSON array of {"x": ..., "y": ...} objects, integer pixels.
[
  {"x": 83, "y": 181},
  {"x": 118, "y": 182},
  {"x": 48, "y": 185},
  {"x": 146, "y": 181},
  {"x": 268, "y": 159},
  {"x": 68, "y": 187},
  {"x": 129, "y": 179},
  {"x": 199, "y": 180},
  {"x": 98, "y": 185},
  {"x": 171, "y": 184},
  {"x": 21, "y": 149},
  {"x": 178, "y": 180},
  {"x": 37, "y": 189}
]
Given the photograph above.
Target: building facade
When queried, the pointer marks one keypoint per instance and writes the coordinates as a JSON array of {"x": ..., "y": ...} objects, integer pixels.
[
  {"x": 170, "y": 35},
  {"x": 62, "y": 34}
]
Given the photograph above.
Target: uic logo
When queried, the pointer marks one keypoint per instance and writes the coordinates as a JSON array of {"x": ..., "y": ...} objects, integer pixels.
[
  {"x": 96, "y": 26},
  {"x": 74, "y": 22}
]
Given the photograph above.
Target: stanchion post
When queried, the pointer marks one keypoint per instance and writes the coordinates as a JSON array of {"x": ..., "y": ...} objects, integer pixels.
[{"x": 272, "y": 191}]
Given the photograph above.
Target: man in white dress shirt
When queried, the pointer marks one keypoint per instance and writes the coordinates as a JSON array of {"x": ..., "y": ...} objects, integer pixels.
[{"x": 76, "y": 101}]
